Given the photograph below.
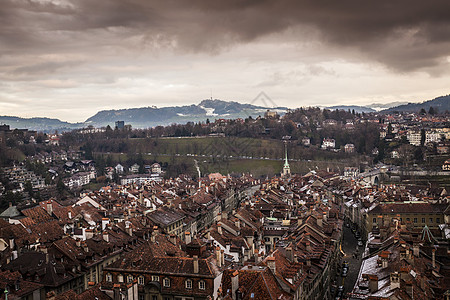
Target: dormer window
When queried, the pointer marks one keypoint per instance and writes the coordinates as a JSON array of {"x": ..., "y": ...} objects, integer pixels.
[
  {"x": 155, "y": 278},
  {"x": 120, "y": 278},
  {"x": 108, "y": 277},
  {"x": 130, "y": 278},
  {"x": 202, "y": 285},
  {"x": 188, "y": 284},
  {"x": 166, "y": 282},
  {"x": 141, "y": 280}
]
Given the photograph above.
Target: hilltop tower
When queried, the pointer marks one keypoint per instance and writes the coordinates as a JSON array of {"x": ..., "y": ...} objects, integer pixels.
[{"x": 286, "y": 168}]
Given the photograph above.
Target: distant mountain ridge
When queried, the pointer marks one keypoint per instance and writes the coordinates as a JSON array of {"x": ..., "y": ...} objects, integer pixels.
[
  {"x": 213, "y": 109},
  {"x": 152, "y": 116},
  {"x": 356, "y": 108},
  {"x": 39, "y": 124},
  {"x": 441, "y": 104}
]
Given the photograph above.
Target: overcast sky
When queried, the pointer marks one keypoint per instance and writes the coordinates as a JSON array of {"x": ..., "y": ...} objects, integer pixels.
[{"x": 69, "y": 59}]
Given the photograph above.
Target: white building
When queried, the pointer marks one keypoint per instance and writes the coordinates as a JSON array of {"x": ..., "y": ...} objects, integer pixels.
[
  {"x": 414, "y": 137},
  {"x": 328, "y": 144}
]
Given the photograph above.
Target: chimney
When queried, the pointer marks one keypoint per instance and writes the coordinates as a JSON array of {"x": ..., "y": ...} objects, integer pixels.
[
  {"x": 219, "y": 228},
  {"x": 325, "y": 216},
  {"x": 395, "y": 280},
  {"x": 78, "y": 243},
  {"x": 11, "y": 243},
  {"x": 234, "y": 284},
  {"x": 69, "y": 214},
  {"x": 299, "y": 221},
  {"x": 290, "y": 254},
  {"x": 128, "y": 229},
  {"x": 85, "y": 247},
  {"x": 416, "y": 249},
  {"x": 219, "y": 217},
  {"x": 308, "y": 261},
  {"x": 308, "y": 246},
  {"x": 154, "y": 233},
  {"x": 238, "y": 223},
  {"x": 49, "y": 207},
  {"x": 173, "y": 239},
  {"x": 271, "y": 263},
  {"x": 195, "y": 264},
  {"x": 89, "y": 234},
  {"x": 433, "y": 258},
  {"x": 384, "y": 263},
  {"x": 319, "y": 221},
  {"x": 222, "y": 257},
  {"x": 106, "y": 237},
  {"x": 105, "y": 222},
  {"x": 187, "y": 237},
  {"x": 218, "y": 258},
  {"x": 373, "y": 283}
]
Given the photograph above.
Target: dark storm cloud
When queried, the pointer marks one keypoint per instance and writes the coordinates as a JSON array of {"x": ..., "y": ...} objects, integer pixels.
[{"x": 404, "y": 35}]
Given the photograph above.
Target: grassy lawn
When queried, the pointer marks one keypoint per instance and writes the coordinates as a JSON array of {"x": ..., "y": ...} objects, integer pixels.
[{"x": 261, "y": 157}]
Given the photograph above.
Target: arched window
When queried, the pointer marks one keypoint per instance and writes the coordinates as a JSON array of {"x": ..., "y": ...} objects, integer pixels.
[
  {"x": 130, "y": 278},
  {"x": 202, "y": 285},
  {"x": 188, "y": 284},
  {"x": 166, "y": 282}
]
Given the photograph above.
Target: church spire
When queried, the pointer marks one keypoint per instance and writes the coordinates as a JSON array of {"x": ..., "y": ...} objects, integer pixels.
[{"x": 286, "y": 168}]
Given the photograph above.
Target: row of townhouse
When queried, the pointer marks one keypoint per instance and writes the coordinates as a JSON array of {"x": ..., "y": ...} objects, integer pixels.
[
  {"x": 80, "y": 179},
  {"x": 20, "y": 175}
]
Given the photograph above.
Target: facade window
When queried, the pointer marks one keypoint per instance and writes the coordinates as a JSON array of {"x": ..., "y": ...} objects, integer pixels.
[
  {"x": 407, "y": 219},
  {"x": 120, "y": 278},
  {"x": 188, "y": 284},
  {"x": 202, "y": 285},
  {"x": 130, "y": 278},
  {"x": 141, "y": 280},
  {"x": 155, "y": 278},
  {"x": 423, "y": 220},
  {"x": 108, "y": 277},
  {"x": 438, "y": 220},
  {"x": 415, "y": 220},
  {"x": 374, "y": 220},
  {"x": 431, "y": 220},
  {"x": 166, "y": 282},
  {"x": 141, "y": 297}
]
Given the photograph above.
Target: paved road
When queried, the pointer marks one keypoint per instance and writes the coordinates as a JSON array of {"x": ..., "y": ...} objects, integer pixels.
[{"x": 349, "y": 245}]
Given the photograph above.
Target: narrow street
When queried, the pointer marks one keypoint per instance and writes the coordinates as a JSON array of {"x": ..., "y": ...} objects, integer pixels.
[{"x": 349, "y": 247}]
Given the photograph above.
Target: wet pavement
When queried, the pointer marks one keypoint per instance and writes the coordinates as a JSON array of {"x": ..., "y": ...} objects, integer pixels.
[{"x": 349, "y": 247}]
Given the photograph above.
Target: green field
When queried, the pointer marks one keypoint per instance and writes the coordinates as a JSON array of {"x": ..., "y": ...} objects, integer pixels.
[{"x": 261, "y": 157}]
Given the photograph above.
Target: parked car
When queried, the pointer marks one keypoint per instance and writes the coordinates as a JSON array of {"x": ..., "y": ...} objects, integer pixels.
[
  {"x": 357, "y": 234},
  {"x": 360, "y": 243},
  {"x": 344, "y": 272}
]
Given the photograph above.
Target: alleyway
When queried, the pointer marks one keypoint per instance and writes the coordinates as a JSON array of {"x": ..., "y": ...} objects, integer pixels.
[{"x": 350, "y": 246}]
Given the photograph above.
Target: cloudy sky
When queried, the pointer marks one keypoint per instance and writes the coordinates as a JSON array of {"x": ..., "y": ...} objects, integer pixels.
[{"x": 70, "y": 58}]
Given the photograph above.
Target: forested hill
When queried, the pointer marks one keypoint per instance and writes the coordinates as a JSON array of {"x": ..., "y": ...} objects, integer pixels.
[
  {"x": 439, "y": 105},
  {"x": 153, "y": 116}
]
